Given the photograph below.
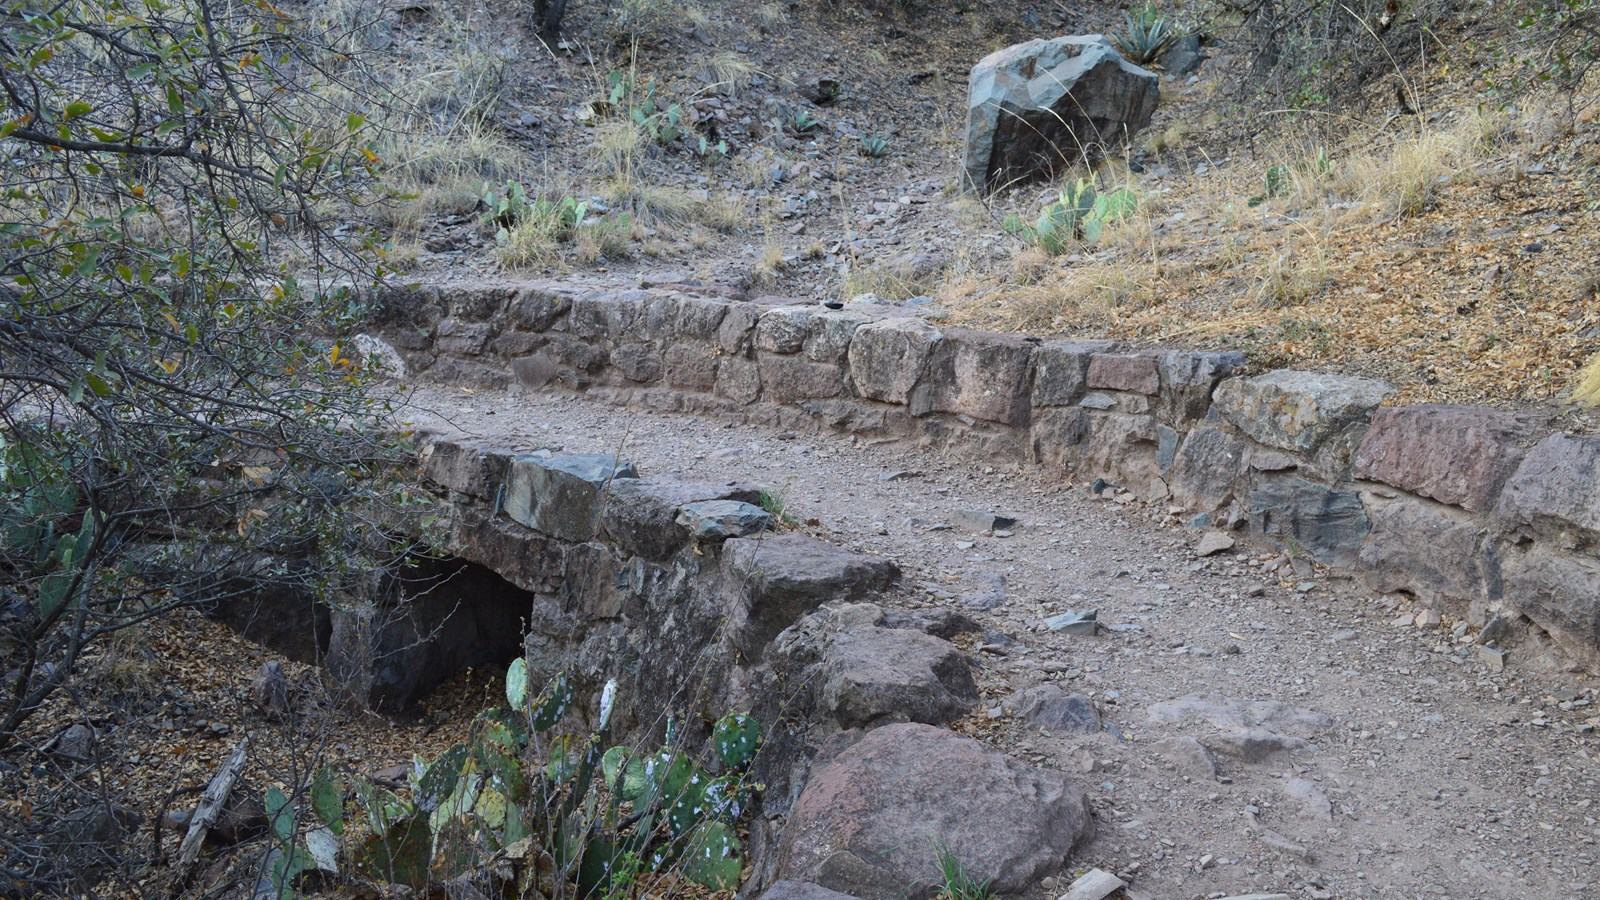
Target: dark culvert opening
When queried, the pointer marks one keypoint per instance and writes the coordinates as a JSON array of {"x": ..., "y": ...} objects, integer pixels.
[{"x": 431, "y": 617}]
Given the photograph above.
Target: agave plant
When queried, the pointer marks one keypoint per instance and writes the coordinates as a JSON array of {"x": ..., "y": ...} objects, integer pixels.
[{"x": 1148, "y": 33}]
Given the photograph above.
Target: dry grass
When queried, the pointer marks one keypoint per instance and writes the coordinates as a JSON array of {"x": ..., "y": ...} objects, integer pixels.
[
  {"x": 726, "y": 72},
  {"x": 1422, "y": 252}
]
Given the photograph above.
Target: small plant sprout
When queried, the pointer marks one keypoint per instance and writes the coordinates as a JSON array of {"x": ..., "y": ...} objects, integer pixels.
[
  {"x": 875, "y": 146},
  {"x": 802, "y": 122},
  {"x": 1147, "y": 34},
  {"x": 958, "y": 882}
]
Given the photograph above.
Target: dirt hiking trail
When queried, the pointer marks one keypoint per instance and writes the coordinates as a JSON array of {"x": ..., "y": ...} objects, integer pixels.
[{"x": 1265, "y": 728}]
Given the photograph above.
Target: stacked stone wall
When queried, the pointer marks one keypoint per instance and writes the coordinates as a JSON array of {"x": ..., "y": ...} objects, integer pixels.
[{"x": 1491, "y": 511}]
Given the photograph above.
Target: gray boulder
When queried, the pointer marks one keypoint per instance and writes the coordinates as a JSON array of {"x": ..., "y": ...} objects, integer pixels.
[
  {"x": 796, "y": 890},
  {"x": 888, "y": 358},
  {"x": 878, "y": 675},
  {"x": 1330, "y": 525},
  {"x": 868, "y": 819},
  {"x": 1034, "y": 109},
  {"x": 640, "y": 515}
]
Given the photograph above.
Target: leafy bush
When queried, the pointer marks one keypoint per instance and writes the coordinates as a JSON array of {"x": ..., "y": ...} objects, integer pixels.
[
  {"x": 528, "y": 810},
  {"x": 167, "y": 270},
  {"x": 1146, "y": 34},
  {"x": 1079, "y": 214}
]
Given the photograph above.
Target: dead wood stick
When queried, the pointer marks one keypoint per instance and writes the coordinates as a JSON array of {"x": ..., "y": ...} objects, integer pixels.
[{"x": 205, "y": 815}]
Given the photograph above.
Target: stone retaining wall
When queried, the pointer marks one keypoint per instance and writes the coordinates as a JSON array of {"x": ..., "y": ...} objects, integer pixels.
[{"x": 1491, "y": 512}]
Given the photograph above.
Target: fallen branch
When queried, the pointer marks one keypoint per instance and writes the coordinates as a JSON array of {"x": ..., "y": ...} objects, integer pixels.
[{"x": 205, "y": 815}]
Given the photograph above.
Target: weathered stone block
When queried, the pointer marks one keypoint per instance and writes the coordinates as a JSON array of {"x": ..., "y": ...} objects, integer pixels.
[
  {"x": 784, "y": 329},
  {"x": 536, "y": 309},
  {"x": 738, "y": 379},
  {"x": 737, "y": 331},
  {"x": 888, "y": 359},
  {"x": 1298, "y": 411},
  {"x": 700, "y": 317},
  {"x": 718, "y": 520},
  {"x": 874, "y": 676},
  {"x": 983, "y": 375},
  {"x": 474, "y": 303},
  {"x": 561, "y": 495},
  {"x": 691, "y": 366},
  {"x": 1459, "y": 455},
  {"x": 1427, "y": 549},
  {"x": 831, "y": 333},
  {"x": 789, "y": 379},
  {"x": 1329, "y": 525},
  {"x": 862, "y": 823},
  {"x": 465, "y": 468},
  {"x": 1560, "y": 592},
  {"x": 457, "y": 337},
  {"x": 1207, "y": 465},
  {"x": 1057, "y": 436},
  {"x": 1061, "y": 370},
  {"x": 1123, "y": 449},
  {"x": 1136, "y": 372},
  {"x": 773, "y": 580},
  {"x": 638, "y": 363},
  {"x": 1555, "y": 492},
  {"x": 1188, "y": 380},
  {"x": 639, "y": 515}
]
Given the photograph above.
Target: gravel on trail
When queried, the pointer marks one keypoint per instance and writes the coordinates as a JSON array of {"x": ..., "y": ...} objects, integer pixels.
[{"x": 1268, "y": 727}]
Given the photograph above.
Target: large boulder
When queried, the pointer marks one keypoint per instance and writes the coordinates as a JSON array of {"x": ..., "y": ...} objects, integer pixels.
[
  {"x": 1034, "y": 109},
  {"x": 869, "y": 820},
  {"x": 562, "y": 495}
]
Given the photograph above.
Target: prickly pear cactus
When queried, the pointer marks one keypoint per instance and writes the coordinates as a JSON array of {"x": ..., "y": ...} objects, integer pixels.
[
  {"x": 552, "y": 703},
  {"x": 736, "y": 738}
]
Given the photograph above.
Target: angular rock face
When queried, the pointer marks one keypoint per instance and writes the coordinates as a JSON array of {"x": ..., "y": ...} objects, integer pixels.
[
  {"x": 982, "y": 375},
  {"x": 888, "y": 358},
  {"x": 1459, "y": 455},
  {"x": 1036, "y": 108},
  {"x": 1562, "y": 594},
  {"x": 640, "y": 514},
  {"x": 774, "y": 580},
  {"x": 1207, "y": 464},
  {"x": 1328, "y": 524},
  {"x": 1556, "y": 491},
  {"x": 1426, "y": 548},
  {"x": 867, "y": 820},
  {"x": 560, "y": 495},
  {"x": 1298, "y": 411},
  {"x": 878, "y": 675}
]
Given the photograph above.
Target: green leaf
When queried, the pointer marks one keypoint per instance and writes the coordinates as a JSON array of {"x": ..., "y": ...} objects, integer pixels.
[
  {"x": 98, "y": 385},
  {"x": 517, "y": 683},
  {"x": 711, "y": 857},
  {"x": 280, "y": 815},
  {"x": 439, "y": 781},
  {"x": 327, "y": 801},
  {"x": 353, "y": 122},
  {"x": 78, "y": 108},
  {"x": 552, "y": 703},
  {"x": 400, "y": 855},
  {"x": 53, "y": 591},
  {"x": 736, "y": 737},
  {"x": 141, "y": 70}
]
